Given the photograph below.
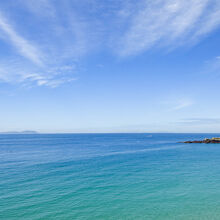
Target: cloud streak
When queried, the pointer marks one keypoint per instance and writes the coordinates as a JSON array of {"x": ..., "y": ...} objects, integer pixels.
[
  {"x": 24, "y": 47},
  {"x": 183, "y": 104},
  {"x": 169, "y": 23},
  {"x": 50, "y": 64},
  {"x": 200, "y": 121},
  {"x": 59, "y": 34},
  {"x": 178, "y": 104}
]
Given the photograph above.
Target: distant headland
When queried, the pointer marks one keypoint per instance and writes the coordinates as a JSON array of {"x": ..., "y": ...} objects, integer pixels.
[
  {"x": 214, "y": 140},
  {"x": 19, "y": 132}
]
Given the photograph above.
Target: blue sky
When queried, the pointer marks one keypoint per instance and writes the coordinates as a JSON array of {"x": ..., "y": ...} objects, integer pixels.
[{"x": 110, "y": 66}]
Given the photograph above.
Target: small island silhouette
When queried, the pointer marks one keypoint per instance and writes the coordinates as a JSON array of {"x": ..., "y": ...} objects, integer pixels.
[
  {"x": 214, "y": 140},
  {"x": 19, "y": 132}
]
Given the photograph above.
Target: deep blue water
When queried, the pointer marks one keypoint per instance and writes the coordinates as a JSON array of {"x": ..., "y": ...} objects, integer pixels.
[{"x": 109, "y": 176}]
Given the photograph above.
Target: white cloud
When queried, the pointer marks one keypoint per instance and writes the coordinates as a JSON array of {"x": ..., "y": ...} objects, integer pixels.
[
  {"x": 212, "y": 66},
  {"x": 53, "y": 62},
  {"x": 178, "y": 104},
  {"x": 199, "y": 121},
  {"x": 57, "y": 34},
  {"x": 169, "y": 23},
  {"x": 182, "y": 104},
  {"x": 210, "y": 21},
  {"x": 24, "y": 47},
  {"x": 18, "y": 72}
]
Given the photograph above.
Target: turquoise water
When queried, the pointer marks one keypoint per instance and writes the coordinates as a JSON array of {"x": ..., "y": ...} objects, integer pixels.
[{"x": 108, "y": 176}]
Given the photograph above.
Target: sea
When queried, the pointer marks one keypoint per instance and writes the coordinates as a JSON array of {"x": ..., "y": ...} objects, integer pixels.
[{"x": 108, "y": 177}]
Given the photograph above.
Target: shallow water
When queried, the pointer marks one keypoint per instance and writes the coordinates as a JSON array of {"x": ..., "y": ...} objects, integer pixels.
[{"x": 109, "y": 176}]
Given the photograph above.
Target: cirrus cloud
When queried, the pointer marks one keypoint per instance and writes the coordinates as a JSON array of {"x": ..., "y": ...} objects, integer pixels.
[{"x": 58, "y": 34}]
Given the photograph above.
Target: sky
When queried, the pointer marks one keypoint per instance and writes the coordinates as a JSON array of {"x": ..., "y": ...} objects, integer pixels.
[{"x": 110, "y": 66}]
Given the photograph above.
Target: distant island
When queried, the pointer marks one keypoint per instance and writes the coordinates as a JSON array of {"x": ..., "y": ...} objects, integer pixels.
[
  {"x": 214, "y": 140},
  {"x": 19, "y": 132}
]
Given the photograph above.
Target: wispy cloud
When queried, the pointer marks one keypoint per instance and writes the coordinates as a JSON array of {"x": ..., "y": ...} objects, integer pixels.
[
  {"x": 212, "y": 67},
  {"x": 16, "y": 72},
  {"x": 50, "y": 57},
  {"x": 24, "y": 47},
  {"x": 169, "y": 23},
  {"x": 58, "y": 34},
  {"x": 198, "y": 121},
  {"x": 178, "y": 104},
  {"x": 182, "y": 104}
]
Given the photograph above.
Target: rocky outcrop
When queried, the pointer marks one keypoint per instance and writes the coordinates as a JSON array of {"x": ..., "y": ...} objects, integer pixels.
[{"x": 205, "y": 141}]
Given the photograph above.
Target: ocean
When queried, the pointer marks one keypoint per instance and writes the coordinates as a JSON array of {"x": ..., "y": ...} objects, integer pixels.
[{"x": 108, "y": 177}]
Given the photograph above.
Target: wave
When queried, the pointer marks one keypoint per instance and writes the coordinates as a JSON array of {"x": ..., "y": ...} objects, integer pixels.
[{"x": 140, "y": 151}]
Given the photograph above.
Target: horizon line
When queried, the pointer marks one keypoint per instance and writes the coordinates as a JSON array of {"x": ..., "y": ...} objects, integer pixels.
[{"x": 20, "y": 133}]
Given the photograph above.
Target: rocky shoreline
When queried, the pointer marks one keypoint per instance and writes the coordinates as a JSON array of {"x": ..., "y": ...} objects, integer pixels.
[{"x": 205, "y": 141}]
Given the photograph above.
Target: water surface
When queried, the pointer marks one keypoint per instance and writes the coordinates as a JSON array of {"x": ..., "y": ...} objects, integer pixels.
[{"x": 108, "y": 176}]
